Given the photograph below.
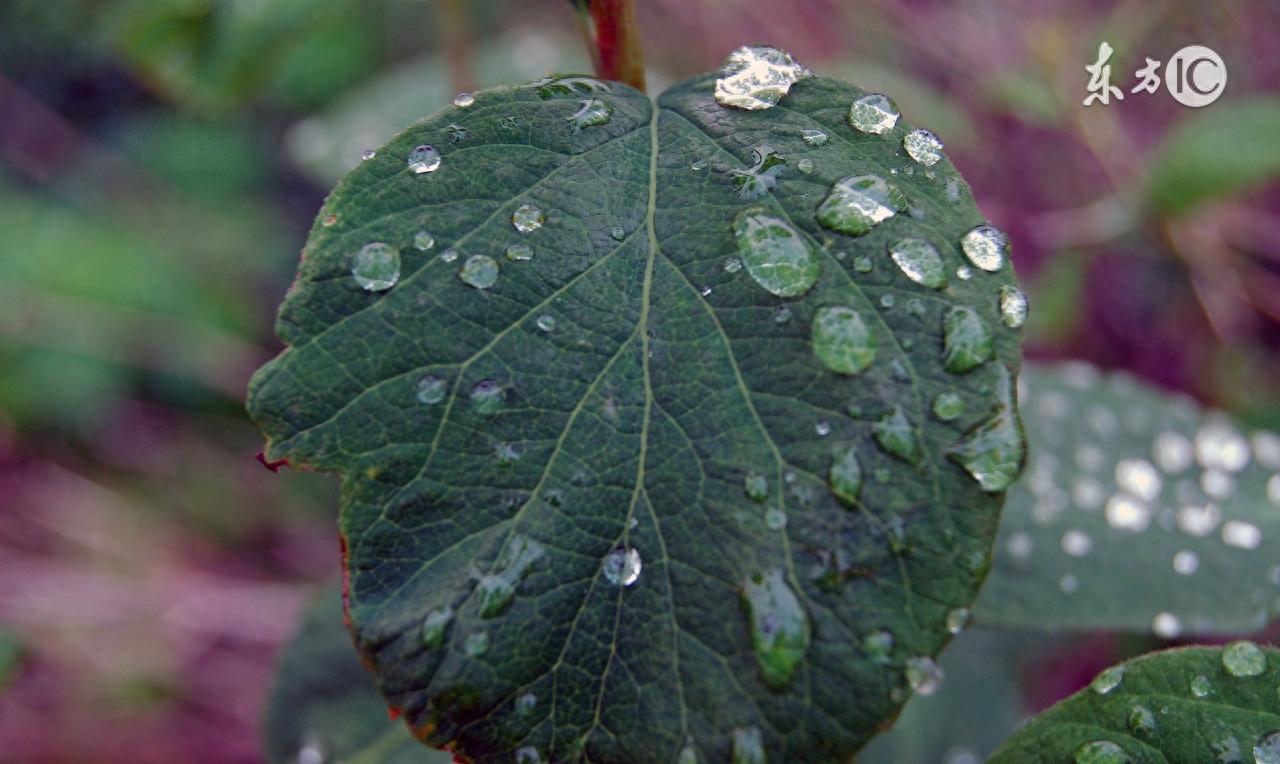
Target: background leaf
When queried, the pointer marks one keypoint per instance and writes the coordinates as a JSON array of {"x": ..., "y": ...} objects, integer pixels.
[
  {"x": 1183, "y": 706},
  {"x": 1125, "y": 483},
  {"x": 586, "y": 443}
]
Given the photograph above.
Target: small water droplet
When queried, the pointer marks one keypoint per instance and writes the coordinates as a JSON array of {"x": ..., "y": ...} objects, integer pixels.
[
  {"x": 775, "y": 519},
  {"x": 423, "y": 241},
  {"x": 1201, "y": 686},
  {"x": 376, "y": 267},
  {"x": 546, "y": 323},
  {"x": 1220, "y": 446},
  {"x": 476, "y": 644},
  {"x": 424, "y": 158},
  {"x": 1198, "y": 520},
  {"x": 732, "y": 265},
  {"x": 556, "y": 86},
  {"x": 776, "y": 255},
  {"x": 329, "y": 220},
  {"x": 924, "y": 675},
  {"x": 591, "y": 112},
  {"x": 622, "y": 566},
  {"x": 862, "y": 264},
  {"x": 1241, "y": 535},
  {"x": 919, "y": 261},
  {"x": 813, "y": 137},
  {"x": 463, "y": 100},
  {"x": 434, "y": 626},
  {"x": 1101, "y": 752},
  {"x": 986, "y": 247},
  {"x": 845, "y": 475},
  {"x": 495, "y": 590},
  {"x": 748, "y": 746},
  {"x": 757, "y": 77},
  {"x": 874, "y": 114},
  {"x": 431, "y": 389},
  {"x": 1186, "y": 562},
  {"x": 528, "y": 755},
  {"x": 617, "y": 234},
  {"x": 779, "y": 626},
  {"x": 761, "y": 177},
  {"x": 368, "y": 154},
  {"x": 519, "y": 253},
  {"x": 479, "y": 271},
  {"x": 487, "y": 397},
  {"x": 1107, "y": 680},
  {"x": 879, "y": 645},
  {"x": 923, "y": 146},
  {"x": 858, "y": 203},
  {"x": 1013, "y": 306},
  {"x": 1138, "y": 477},
  {"x": 958, "y": 619},
  {"x": 698, "y": 165},
  {"x": 781, "y": 314},
  {"x": 1165, "y": 625},
  {"x": 527, "y": 218},
  {"x": 805, "y": 165},
  {"x": 1076, "y": 542},
  {"x": 449, "y": 255},
  {"x": 1142, "y": 721},
  {"x": 887, "y": 301},
  {"x": 964, "y": 273},
  {"x": 967, "y": 342},
  {"x": 1243, "y": 659},
  {"x": 994, "y": 451},
  {"x": 1126, "y": 513},
  {"x": 842, "y": 341},
  {"x": 947, "y": 406},
  {"x": 526, "y": 703},
  {"x": 1267, "y": 749},
  {"x": 896, "y": 435}
]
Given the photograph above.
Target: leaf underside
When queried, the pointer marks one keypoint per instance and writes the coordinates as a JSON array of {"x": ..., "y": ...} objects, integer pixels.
[{"x": 615, "y": 391}]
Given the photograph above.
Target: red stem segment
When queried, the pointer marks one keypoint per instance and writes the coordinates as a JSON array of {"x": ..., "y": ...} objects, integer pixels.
[{"x": 617, "y": 42}]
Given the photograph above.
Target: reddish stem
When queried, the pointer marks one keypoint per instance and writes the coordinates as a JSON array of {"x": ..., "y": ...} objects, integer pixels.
[{"x": 617, "y": 42}]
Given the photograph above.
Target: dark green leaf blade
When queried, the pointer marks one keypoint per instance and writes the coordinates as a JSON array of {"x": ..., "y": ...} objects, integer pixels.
[
  {"x": 1127, "y": 483},
  {"x": 570, "y": 496},
  {"x": 1184, "y": 706}
]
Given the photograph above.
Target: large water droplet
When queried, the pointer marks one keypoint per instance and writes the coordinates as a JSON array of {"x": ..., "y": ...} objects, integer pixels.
[
  {"x": 463, "y": 100},
  {"x": 842, "y": 340},
  {"x": 431, "y": 389},
  {"x": 435, "y": 625},
  {"x": 966, "y": 340},
  {"x": 947, "y": 406},
  {"x": 994, "y": 451},
  {"x": 1244, "y": 658},
  {"x": 920, "y": 261},
  {"x": 1107, "y": 680},
  {"x": 846, "y": 475},
  {"x": 779, "y": 626},
  {"x": 986, "y": 247},
  {"x": 757, "y": 77},
  {"x": 924, "y": 675},
  {"x": 622, "y": 566},
  {"x": 923, "y": 146},
  {"x": 1267, "y": 749},
  {"x": 858, "y": 203},
  {"x": 591, "y": 113},
  {"x": 476, "y": 644},
  {"x": 376, "y": 267},
  {"x": 874, "y": 114},
  {"x": 756, "y": 486},
  {"x": 528, "y": 217},
  {"x": 479, "y": 271},
  {"x": 897, "y": 436},
  {"x": 424, "y": 158},
  {"x": 495, "y": 590},
  {"x": 776, "y": 255},
  {"x": 1101, "y": 752},
  {"x": 761, "y": 177},
  {"x": 748, "y": 746},
  {"x": 487, "y": 397},
  {"x": 1013, "y": 306}
]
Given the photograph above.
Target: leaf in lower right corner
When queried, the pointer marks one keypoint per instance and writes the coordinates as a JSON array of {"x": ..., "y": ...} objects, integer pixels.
[{"x": 1187, "y": 706}]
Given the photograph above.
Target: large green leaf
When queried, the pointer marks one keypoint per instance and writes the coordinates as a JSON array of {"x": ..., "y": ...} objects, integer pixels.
[
  {"x": 325, "y": 707},
  {"x": 1128, "y": 484},
  {"x": 586, "y": 501},
  {"x": 1186, "y": 706}
]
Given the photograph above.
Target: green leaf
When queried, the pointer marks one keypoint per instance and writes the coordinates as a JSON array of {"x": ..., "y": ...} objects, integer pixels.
[
  {"x": 1129, "y": 484},
  {"x": 1217, "y": 153},
  {"x": 325, "y": 707},
  {"x": 593, "y": 439},
  {"x": 1186, "y": 706}
]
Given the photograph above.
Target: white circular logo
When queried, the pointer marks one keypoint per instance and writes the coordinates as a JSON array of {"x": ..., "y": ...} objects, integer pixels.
[{"x": 1195, "y": 76}]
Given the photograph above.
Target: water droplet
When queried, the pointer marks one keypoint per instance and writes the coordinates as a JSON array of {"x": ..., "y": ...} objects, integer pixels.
[
  {"x": 1013, "y": 306},
  {"x": 748, "y": 746},
  {"x": 858, "y": 203},
  {"x": 487, "y": 397},
  {"x": 376, "y": 267},
  {"x": 480, "y": 271},
  {"x": 1243, "y": 659},
  {"x": 617, "y": 234},
  {"x": 457, "y": 133},
  {"x": 1076, "y": 542},
  {"x": 776, "y": 255},
  {"x": 966, "y": 340},
  {"x": 476, "y": 644},
  {"x": 775, "y": 519},
  {"x": 1142, "y": 721},
  {"x": 1217, "y": 484},
  {"x": 622, "y": 566},
  {"x": 1241, "y": 535},
  {"x": 519, "y": 253},
  {"x": 897, "y": 436},
  {"x": 924, "y": 675},
  {"x": 495, "y": 590},
  {"x": 1020, "y": 545},
  {"x": 435, "y": 625},
  {"x": 862, "y": 264},
  {"x": 1220, "y": 446},
  {"x": 947, "y": 406},
  {"x": 527, "y": 218},
  {"x": 687, "y": 754},
  {"x": 986, "y": 247},
  {"x": 994, "y": 451},
  {"x": 591, "y": 112},
  {"x": 757, "y": 77},
  {"x": 879, "y": 645},
  {"x": 781, "y": 314},
  {"x": 546, "y": 323},
  {"x": 463, "y": 100},
  {"x": 958, "y": 619},
  {"x": 1201, "y": 686},
  {"x": 756, "y": 486},
  {"x": 732, "y": 265},
  {"x": 1165, "y": 625},
  {"x": 1126, "y": 513},
  {"x": 368, "y": 154},
  {"x": 449, "y": 255},
  {"x": 1068, "y": 584},
  {"x": 329, "y": 220},
  {"x": 761, "y": 177},
  {"x": 919, "y": 261},
  {"x": 779, "y": 626},
  {"x": 887, "y": 300},
  {"x": 1267, "y": 749},
  {"x": 698, "y": 164},
  {"x": 923, "y": 146},
  {"x": 424, "y": 158},
  {"x": 1198, "y": 520},
  {"x": 1101, "y": 752},
  {"x": 431, "y": 389},
  {"x": 1186, "y": 562},
  {"x": 528, "y": 755},
  {"x": 1107, "y": 680},
  {"x": 964, "y": 273},
  {"x": 526, "y": 703},
  {"x": 873, "y": 113},
  {"x": 845, "y": 475},
  {"x": 842, "y": 340},
  {"x": 423, "y": 241},
  {"x": 813, "y": 137},
  {"x": 805, "y": 165},
  {"x": 1138, "y": 477},
  {"x": 1172, "y": 451}
]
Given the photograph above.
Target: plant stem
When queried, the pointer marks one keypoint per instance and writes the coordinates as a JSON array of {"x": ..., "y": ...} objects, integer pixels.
[{"x": 613, "y": 39}]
